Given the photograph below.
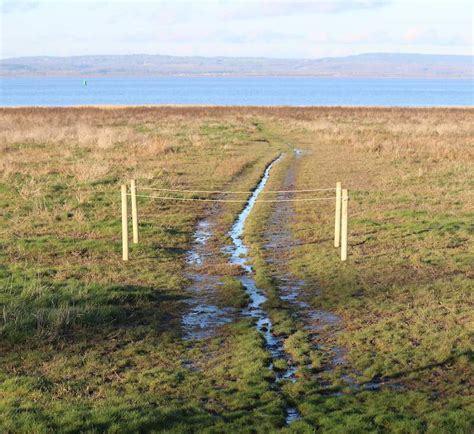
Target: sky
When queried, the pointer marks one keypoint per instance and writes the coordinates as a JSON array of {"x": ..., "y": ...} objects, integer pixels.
[{"x": 240, "y": 28}]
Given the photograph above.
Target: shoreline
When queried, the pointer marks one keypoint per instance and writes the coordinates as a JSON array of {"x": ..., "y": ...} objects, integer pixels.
[{"x": 127, "y": 106}]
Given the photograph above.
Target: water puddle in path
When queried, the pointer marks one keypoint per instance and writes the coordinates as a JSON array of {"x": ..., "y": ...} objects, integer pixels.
[
  {"x": 203, "y": 316},
  {"x": 198, "y": 253},
  {"x": 239, "y": 256}
]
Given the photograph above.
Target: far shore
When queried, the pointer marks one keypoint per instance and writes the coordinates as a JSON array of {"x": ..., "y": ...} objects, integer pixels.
[{"x": 128, "y": 106}]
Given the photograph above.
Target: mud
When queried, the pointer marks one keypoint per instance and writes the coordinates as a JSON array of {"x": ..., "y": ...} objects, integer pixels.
[
  {"x": 203, "y": 316},
  {"x": 239, "y": 255}
]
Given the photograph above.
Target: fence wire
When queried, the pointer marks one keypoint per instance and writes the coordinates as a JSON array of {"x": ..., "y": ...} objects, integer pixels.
[
  {"x": 233, "y": 192},
  {"x": 198, "y": 199}
]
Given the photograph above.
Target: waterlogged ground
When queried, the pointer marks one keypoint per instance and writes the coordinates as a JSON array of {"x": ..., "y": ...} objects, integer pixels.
[
  {"x": 204, "y": 314},
  {"x": 236, "y": 316}
]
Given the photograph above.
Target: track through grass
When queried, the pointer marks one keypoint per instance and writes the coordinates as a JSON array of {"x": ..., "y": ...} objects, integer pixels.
[{"x": 91, "y": 344}]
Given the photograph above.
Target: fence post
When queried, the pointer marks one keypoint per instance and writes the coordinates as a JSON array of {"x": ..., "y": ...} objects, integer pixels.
[
  {"x": 133, "y": 195},
  {"x": 344, "y": 228},
  {"x": 124, "y": 224},
  {"x": 337, "y": 222}
]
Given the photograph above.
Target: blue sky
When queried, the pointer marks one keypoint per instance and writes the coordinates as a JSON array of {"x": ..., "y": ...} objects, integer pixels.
[{"x": 235, "y": 27}]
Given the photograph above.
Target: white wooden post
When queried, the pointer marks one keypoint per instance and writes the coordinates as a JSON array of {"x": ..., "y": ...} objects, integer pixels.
[
  {"x": 133, "y": 195},
  {"x": 337, "y": 220},
  {"x": 344, "y": 225},
  {"x": 124, "y": 224}
]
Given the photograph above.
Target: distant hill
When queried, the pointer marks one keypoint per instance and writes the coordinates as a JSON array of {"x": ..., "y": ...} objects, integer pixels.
[{"x": 142, "y": 65}]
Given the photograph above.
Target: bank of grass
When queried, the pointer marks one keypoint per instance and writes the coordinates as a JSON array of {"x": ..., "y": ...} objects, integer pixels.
[{"x": 232, "y": 293}]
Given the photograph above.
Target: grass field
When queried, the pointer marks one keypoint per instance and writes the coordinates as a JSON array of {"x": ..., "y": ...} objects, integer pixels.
[{"x": 89, "y": 343}]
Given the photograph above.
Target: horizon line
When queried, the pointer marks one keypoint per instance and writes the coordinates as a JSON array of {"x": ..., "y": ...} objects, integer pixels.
[{"x": 241, "y": 57}]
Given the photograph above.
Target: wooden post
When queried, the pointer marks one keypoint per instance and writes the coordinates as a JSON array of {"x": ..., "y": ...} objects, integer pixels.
[
  {"x": 337, "y": 220},
  {"x": 124, "y": 224},
  {"x": 133, "y": 195},
  {"x": 345, "y": 209}
]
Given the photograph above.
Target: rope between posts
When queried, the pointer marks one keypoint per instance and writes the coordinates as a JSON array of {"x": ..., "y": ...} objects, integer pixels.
[
  {"x": 341, "y": 216},
  {"x": 231, "y": 200},
  {"x": 233, "y": 192}
]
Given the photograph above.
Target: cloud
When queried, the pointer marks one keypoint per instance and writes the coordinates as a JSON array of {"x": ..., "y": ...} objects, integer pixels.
[
  {"x": 265, "y": 36},
  {"x": 250, "y": 9},
  {"x": 424, "y": 36},
  {"x": 11, "y": 6},
  {"x": 349, "y": 38},
  {"x": 417, "y": 35}
]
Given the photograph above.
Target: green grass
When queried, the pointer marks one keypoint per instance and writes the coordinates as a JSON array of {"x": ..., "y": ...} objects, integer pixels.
[
  {"x": 232, "y": 293},
  {"x": 405, "y": 292},
  {"x": 226, "y": 389},
  {"x": 91, "y": 344}
]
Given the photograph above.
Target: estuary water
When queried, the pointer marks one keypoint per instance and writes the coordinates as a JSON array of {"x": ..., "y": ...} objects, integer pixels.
[{"x": 266, "y": 91}]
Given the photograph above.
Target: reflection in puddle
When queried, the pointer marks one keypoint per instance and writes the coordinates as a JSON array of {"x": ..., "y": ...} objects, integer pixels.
[
  {"x": 203, "y": 316},
  {"x": 239, "y": 256},
  {"x": 197, "y": 254}
]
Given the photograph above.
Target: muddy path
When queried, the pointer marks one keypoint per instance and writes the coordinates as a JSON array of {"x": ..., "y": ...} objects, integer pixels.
[
  {"x": 205, "y": 316},
  {"x": 322, "y": 326},
  {"x": 239, "y": 255}
]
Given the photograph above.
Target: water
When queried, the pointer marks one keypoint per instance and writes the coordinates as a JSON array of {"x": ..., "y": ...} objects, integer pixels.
[
  {"x": 236, "y": 91},
  {"x": 240, "y": 256},
  {"x": 203, "y": 316}
]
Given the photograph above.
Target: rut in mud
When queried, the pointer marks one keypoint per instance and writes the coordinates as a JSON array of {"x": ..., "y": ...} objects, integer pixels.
[
  {"x": 204, "y": 316},
  {"x": 292, "y": 289},
  {"x": 240, "y": 256}
]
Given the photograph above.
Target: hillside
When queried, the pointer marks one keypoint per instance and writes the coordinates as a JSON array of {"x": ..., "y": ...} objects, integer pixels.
[{"x": 364, "y": 65}]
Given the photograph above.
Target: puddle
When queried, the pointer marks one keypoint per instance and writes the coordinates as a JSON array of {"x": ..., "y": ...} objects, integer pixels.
[
  {"x": 203, "y": 316},
  {"x": 198, "y": 253},
  {"x": 202, "y": 319},
  {"x": 239, "y": 256}
]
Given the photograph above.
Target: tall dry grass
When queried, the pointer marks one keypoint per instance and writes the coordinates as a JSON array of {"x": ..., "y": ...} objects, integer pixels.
[{"x": 84, "y": 145}]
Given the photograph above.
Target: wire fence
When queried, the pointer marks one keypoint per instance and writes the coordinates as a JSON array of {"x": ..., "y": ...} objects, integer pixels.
[
  {"x": 200, "y": 199},
  {"x": 235, "y": 192},
  {"x": 227, "y": 192},
  {"x": 341, "y": 200}
]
